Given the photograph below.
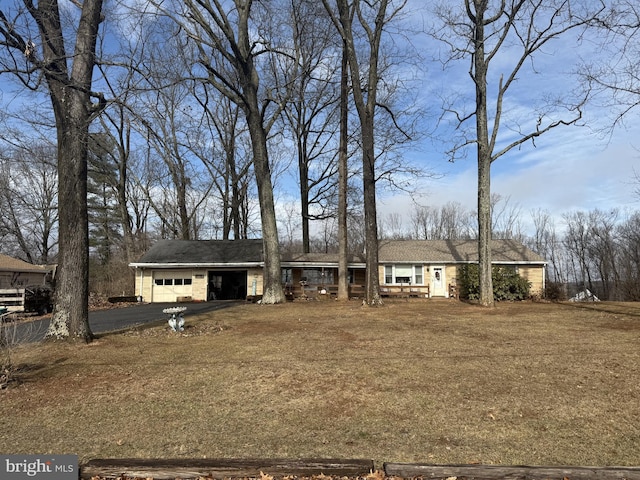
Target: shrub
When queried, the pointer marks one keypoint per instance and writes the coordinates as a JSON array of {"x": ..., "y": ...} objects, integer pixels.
[
  {"x": 555, "y": 291},
  {"x": 507, "y": 283}
]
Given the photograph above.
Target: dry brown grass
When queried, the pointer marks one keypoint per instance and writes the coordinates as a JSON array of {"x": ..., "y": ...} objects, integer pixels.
[{"x": 416, "y": 381}]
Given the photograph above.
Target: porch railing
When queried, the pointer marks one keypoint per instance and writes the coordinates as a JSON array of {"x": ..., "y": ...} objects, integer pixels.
[{"x": 355, "y": 291}]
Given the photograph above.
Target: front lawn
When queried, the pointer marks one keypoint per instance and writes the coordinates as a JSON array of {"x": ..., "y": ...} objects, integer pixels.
[{"x": 411, "y": 381}]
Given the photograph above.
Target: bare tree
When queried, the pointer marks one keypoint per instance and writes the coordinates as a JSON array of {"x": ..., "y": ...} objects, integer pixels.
[
  {"x": 168, "y": 116},
  {"x": 604, "y": 251},
  {"x": 548, "y": 244},
  {"x": 391, "y": 227},
  {"x": 449, "y": 222},
  {"x": 225, "y": 152},
  {"x": 576, "y": 241},
  {"x": 628, "y": 234},
  {"x": 371, "y": 18},
  {"x": 614, "y": 74},
  {"x": 28, "y": 202},
  {"x": 290, "y": 220},
  {"x": 311, "y": 114},
  {"x": 116, "y": 123},
  {"x": 231, "y": 58},
  {"x": 343, "y": 172},
  {"x": 508, "y": 35},
  {"x": 138, "y": 184},
  {"x": 592, "y": 242},
  {"x": 68, "y": 77},
  {"x": 505, "y": 218}
]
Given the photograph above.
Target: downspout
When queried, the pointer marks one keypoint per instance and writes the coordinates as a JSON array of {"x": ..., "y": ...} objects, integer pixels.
[{"x": 140, "y": 296}]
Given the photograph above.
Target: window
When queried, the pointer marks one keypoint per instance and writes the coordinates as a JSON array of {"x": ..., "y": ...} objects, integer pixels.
[
  {"x": 403, "y": 273},
  {"x": 318, "y": 276},
  {"x": 287, "y": 276},
  {"x": 418, "y": 274},
  {"x": 172, "y": 281},
  {"x": 388, "y": 274}
]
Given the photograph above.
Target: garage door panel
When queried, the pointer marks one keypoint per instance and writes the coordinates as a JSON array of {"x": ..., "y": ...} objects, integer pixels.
[{"x": 169, "y": 285}]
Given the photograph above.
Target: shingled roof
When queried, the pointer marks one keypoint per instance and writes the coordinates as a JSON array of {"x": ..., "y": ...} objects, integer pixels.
[
  {"x": 320, "y": 259},
  {"x": 202, "y": 252},
  {"x": 178, "y": 253},
  {"x": 10, "y": 264},
  {"x": 453, "y": 251}
]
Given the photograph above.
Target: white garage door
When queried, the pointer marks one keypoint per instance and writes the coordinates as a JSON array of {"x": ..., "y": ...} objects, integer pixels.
[{"x": 168, "y": 285}]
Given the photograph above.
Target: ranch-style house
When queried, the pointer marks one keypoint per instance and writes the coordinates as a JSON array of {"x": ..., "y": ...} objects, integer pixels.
[{"x": 202, "y": 270}]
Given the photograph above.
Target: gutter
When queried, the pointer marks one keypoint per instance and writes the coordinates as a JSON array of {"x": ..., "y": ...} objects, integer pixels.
[
  {"x": 292, "y": 264},
  {"x": 196, "y": 265}
]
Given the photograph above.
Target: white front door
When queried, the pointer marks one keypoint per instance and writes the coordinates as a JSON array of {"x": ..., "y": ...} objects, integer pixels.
[{"x": 438, "y": 282}]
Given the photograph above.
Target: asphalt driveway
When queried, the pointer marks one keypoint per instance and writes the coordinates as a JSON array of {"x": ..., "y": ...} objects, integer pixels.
[{"x": 102, "y": 321}]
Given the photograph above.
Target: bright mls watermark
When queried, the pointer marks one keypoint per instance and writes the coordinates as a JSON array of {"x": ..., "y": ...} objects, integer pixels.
[{"x": 39, "y": 467}]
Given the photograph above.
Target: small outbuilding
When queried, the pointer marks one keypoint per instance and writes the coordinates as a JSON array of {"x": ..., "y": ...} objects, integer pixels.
[{"x": 16, "y": 276}]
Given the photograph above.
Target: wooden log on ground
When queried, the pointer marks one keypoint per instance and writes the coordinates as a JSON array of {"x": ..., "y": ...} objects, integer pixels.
[
  {"x": 170, "y": 469},
  {"x": 506, "y": 472}
]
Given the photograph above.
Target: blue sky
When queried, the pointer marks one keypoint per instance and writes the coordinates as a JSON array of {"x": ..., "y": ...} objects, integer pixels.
[{"x": 570, "y": 168}]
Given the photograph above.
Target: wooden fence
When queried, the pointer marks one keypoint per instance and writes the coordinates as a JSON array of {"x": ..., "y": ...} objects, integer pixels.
[
  {"x": 352, "y": 468},
  {"x": 221, "y": 468},
  {"x": 12, "y": 298}
]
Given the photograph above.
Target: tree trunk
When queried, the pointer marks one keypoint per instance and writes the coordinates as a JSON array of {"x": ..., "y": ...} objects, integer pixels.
[
  {"x": 183, "y": 214},
  {"x": 484, "y": 232},
  {"x": 272, "y": 286},
  {"x": 343, "y": 263},
  {"x": 366, "y": 113},
  {"x": 71, "y": 100},
  {"x": 372, "y": 292},
  {"x": 303, "y": 176},
  {"x": 232, "y": 219},
  {"x": 125, "y": 217},
  {"x": 484, "y": 162},
  {"x": 71, "y": 311}
]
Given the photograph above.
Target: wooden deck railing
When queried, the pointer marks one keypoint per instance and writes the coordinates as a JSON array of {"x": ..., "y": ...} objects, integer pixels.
[
  {"x": 355, "y": 291},
  {"x": 405, "y": 291},
  {"x": 319, "y": 291}
]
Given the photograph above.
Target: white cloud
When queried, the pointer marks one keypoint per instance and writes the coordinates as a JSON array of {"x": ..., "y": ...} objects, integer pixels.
[{"x": 571, "y": 169}]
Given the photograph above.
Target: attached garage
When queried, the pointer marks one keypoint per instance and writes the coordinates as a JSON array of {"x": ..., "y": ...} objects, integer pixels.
[{"x": 200, "y": 270}]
